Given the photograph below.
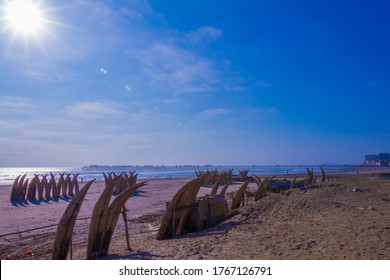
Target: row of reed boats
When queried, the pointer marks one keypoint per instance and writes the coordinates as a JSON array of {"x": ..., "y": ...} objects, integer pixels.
[{"x": 186, "y": 212}]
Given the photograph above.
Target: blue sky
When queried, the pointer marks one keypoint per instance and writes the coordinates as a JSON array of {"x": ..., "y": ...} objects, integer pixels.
[{"x": 196, "y": 82}]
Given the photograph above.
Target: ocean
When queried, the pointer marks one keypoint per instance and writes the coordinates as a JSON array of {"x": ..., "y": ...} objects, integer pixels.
[{"x": 8, "y": 175}]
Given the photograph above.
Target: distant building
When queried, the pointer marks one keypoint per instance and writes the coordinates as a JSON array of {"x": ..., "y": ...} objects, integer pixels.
[
  {"x": 384, "y": 159},
  {"x": 371, "y": 158},
  {"x": 381, "y": 159},
  {"x": 384, "y": 156}
]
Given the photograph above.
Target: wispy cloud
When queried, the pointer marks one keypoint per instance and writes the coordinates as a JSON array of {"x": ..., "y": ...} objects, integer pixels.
[
  {"x": 15, "y": 104},
  {"x": 203, "y": 35},
  {"x": 56, "y": 130},
  {"x": 95, "y": 109},
  {"x": 214, "y": 112},
  {"x": 140, "y": 10},
  {"x": 178, "y": 68},
  {"x": 142, "y": 115},
  {"x": 239, "y": 88},
  {"x": 132, "y": 14},
  {"x": 269, "y": 110},
  {"x": 262, "y": 83},
  {"x": 172, "y": 101}
]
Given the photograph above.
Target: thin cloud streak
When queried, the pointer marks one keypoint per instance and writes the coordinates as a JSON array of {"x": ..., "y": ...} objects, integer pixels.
[
  {"x": 214, "y": 112},
  {"x": 15, "y": 104},
  {"x": 179, "y": 69},
  {"x": 95, "y": 109},
  {"x": 203, "y": 35}
]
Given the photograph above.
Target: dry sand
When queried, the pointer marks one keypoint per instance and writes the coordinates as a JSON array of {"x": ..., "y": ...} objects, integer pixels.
[{"x": 326, "y": 221}]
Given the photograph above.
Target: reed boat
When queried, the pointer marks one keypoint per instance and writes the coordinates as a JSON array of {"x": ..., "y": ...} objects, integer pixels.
[
  {"x": 236, "y": 178},
  {"x": 381, "y": 176},
  {"x": 286, "y": 184}
]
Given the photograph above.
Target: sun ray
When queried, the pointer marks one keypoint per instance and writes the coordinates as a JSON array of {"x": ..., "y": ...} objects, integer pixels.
[
  {"x": 25, "y": 20},
  {"x": 24, "y": 16},
  {"x": 27, "y": 23},
  {"x": 43, "y": 34}
]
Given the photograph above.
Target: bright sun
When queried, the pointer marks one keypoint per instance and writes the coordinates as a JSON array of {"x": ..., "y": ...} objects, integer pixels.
[{"x": 24, "y": 16}]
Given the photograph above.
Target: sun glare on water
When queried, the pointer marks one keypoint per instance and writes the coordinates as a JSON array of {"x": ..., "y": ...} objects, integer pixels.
[{"x": 24, "y": 17}]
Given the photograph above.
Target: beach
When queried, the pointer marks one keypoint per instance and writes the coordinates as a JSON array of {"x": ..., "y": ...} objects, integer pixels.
[{"x": 345, "y": 217}]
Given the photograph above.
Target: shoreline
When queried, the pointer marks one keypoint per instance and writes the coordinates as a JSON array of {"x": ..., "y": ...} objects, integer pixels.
[{"x": 362, "y": 170}]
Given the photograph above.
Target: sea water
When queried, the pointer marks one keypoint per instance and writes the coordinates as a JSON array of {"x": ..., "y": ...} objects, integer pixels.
[{"x": 8, "y": 175}]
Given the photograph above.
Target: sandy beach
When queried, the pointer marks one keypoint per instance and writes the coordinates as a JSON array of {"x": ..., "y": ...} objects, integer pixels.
[{"x": 327, "y": 220}]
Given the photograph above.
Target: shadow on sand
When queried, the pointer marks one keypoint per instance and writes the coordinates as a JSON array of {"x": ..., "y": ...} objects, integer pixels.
[{"x": 26, "y": 202}]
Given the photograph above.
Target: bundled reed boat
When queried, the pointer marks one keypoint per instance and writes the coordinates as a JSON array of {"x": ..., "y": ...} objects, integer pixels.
[
  {"x": 381, "y": 176},
  {"x": 188, "y": 213},
  {"x": 207, "y": 211},
  {"x": 286, "y": 184}
]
